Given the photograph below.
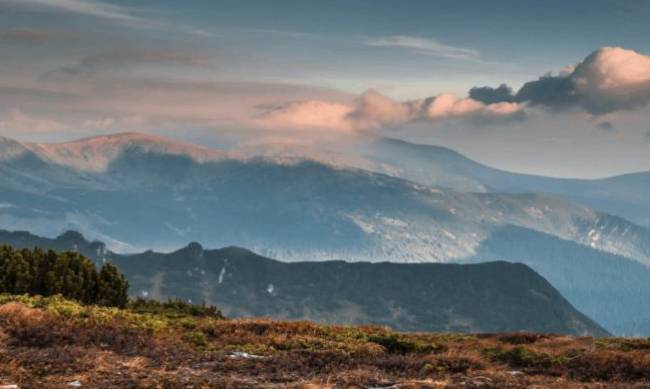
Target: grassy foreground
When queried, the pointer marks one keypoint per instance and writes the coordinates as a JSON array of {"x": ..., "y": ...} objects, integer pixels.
[{"x": 56, "y": 343}]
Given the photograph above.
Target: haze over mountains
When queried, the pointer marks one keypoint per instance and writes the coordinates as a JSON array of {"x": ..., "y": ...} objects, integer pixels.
[{"x": 376, "y": 200}]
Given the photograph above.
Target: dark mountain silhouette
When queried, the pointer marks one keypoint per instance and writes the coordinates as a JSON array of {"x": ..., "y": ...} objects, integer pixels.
[{"x": 487, "y": 297}]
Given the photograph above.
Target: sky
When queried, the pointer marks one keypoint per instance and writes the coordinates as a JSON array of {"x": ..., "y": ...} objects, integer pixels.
[{"x": 575, "y": 104}]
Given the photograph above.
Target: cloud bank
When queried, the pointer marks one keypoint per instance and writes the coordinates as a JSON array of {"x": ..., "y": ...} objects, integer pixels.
[
  {"x": 374, "y": 110},
  {"x": 608, "y": 80}
]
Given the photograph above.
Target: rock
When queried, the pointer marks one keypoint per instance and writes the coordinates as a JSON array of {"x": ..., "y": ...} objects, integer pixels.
[{"x": 243, "y": 355}]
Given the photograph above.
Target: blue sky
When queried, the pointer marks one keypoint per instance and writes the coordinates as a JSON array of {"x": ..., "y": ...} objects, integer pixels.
[
  {"x": 325, "y": 43},
  {"x": 79, "y": 67},
  {"x": 515, "y": 40}
]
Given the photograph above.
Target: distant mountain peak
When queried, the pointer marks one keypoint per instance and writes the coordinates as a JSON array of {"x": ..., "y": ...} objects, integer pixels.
[
  {"x": 96, "y": 153},
  {"x": 71, "y": 236},
  {"x": 192, "y": 250}
]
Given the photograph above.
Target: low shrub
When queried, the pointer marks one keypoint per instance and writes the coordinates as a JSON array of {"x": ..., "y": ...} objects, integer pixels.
[
  {"x": 394, "y": 344},
  {"x": 173, "y": 308},
  {"x": 519, "y": 356}
]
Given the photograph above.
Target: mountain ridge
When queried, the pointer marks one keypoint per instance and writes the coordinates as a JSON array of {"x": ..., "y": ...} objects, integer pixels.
[
  {"x": 623, "y": 195},
  {"x": 185, "y": 186},
  {"x": 487, "y": 297}
]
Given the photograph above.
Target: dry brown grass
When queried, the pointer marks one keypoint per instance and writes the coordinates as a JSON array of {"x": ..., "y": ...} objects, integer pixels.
[{"x": 41, "y": 347}]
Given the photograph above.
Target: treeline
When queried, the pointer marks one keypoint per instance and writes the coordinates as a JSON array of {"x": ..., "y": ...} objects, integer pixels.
[{"x": 69, "y": 274}]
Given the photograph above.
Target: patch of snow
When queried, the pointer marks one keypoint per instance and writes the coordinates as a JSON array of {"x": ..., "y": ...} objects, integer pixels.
[
  {"x": 270, "y": 289},
  {"x": 535, "y": 212},
  {"x": 595, "y": 237},
  {"x": 394, "y": 222},
  {"x": 243, "y": 355},
  {"x": 449, "y": 235},
  {"x": 368, "y": 228},
  {"x": 221, "y": 275}
]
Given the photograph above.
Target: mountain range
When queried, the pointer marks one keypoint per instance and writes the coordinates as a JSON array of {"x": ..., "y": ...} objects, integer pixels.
[
  {"x": 386, "y": 201},
  {"x": 487, "y": 297},
  {"x": 625, "y": 195}
]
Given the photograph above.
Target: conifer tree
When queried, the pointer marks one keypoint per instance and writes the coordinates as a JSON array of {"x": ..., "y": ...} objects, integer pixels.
[{"x": 69, "y": 274}]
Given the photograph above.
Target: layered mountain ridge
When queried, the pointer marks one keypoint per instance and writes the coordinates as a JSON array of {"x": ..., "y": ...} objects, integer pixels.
[{"x": 150, "y": 192}]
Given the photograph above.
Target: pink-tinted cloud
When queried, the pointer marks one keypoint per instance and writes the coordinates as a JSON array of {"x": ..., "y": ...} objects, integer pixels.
[
  {"x": 16, "y": 121},
  {"x": 613, "y": 78},
  {"x": 374, "y": 110},
  {"x": 608, "y": 80},
  {"x": 309, "y": 114}
]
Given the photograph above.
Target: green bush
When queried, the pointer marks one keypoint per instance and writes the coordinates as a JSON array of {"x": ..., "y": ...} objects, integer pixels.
[{"x": 48, "y": 273}]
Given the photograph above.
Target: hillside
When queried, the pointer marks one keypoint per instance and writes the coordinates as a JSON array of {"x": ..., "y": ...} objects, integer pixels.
[
  {"x": 610, "y": 289},
  {"x": 136, "y": 192},
  {"x": 624, "y": 195},
  {"x": 488, "y": 297},
  {"x": 55, "y": 343}
]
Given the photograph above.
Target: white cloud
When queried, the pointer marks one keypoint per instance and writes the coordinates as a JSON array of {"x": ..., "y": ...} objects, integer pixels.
[{"x": 425, "y": 46}]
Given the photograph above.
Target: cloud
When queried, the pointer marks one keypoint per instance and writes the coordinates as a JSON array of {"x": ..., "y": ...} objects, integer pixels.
[
  {"x": 606, "y": 126},
  {"x": 613, "y": 78},
  {"x": 16, "y": 121},
  {"x": 32, "y": 36},
  {"x": 118, "y": 59},
  {"x": 550, "y": 91},
  {"x": 489, "y": 95},
  {"x": 104, "y": 10},
  {"x": 82, "y": 7},
  {"x": 609, "y": 79},
  {"x": 136, "y": 103},
  {"x": 310, "y": 114},
  {"x": 374, "y": 110},
  {"x": 426, "y": 47}
]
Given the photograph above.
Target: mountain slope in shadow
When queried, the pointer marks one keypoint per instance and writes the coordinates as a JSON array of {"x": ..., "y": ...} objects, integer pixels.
[{"x": 487, "y": 297}]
